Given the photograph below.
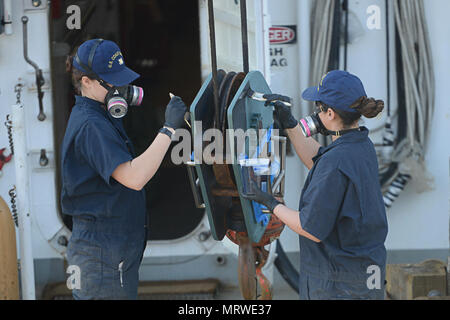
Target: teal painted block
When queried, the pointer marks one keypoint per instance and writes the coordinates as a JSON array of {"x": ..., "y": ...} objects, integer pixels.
[{"x": 245, "y": 113}]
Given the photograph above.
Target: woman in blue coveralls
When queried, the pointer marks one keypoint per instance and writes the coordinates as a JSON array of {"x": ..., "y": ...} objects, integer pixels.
[
  {"x": 102, "y": 179},
  {"x": 341, "y": 218}
]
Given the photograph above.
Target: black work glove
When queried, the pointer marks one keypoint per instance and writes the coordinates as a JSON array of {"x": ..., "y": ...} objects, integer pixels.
[
  {"x": 261, "y": 197},
  {"x": 175, "y": 112},
  {"x": 282, "y": 112}
]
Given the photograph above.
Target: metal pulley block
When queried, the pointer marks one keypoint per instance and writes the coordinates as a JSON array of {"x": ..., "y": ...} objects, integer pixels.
[
  {"x": 227, "y": 100},
  {"x": 245, "y": 113},
  {"x": 201, "y": 175},
  {"x": 221, "y": 182}
]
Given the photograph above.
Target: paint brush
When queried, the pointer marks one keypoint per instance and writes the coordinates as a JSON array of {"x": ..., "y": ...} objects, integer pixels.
[
  {"x": 259, "y": 97},
  {"x": 187, "y": 115}
]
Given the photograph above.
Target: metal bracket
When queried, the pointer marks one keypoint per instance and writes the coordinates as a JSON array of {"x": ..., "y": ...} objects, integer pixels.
[
  {"x": 42, "y": 159},
  {"x": 39, "y": 77},
  {"x": 195, "y": 186},
  {"x": 34, "y": 5},
  {"x": 278, "y": 182}
]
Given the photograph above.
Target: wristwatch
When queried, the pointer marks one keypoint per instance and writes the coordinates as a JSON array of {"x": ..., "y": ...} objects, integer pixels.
[{"x": 166, "y": 132}]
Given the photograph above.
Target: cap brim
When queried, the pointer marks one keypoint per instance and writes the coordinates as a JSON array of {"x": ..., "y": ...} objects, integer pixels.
[
  {"x": 311, "y": 94},
  {"x": 121, "y": 78}
]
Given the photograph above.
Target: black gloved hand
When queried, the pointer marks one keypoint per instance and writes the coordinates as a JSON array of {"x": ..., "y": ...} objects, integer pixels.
[
  {"x": 175, "y": 112},
  {"x": 261, "y": 197},
  {"x": 282, "y": 112}
]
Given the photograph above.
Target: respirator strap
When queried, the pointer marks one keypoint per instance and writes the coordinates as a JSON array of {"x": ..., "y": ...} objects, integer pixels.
[
  {"x": 92, "y": 53},
  {"x": 88, "y": 67},
  {"x": 342, "y": 132}
]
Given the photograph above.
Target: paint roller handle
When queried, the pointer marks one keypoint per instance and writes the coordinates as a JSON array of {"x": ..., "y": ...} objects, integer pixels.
[
  {"x": 282, "y": 111},
  {"x": 271, "y": 99}
]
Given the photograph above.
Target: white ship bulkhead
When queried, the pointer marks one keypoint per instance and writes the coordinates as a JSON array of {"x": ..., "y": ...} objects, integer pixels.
[{"x": 418, "y": 219}]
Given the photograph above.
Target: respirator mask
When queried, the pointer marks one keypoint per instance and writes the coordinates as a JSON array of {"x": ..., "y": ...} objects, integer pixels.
[
  {"x": 312, "y": 125},
  {"x": 117, "y": 99}
]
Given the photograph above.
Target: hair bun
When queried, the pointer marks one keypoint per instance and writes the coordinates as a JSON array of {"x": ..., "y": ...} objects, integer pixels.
[{"x": 369, "y": 107}]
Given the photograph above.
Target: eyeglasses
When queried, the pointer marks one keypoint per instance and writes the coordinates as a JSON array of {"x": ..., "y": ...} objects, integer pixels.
[{"x": 320, "y": 107}]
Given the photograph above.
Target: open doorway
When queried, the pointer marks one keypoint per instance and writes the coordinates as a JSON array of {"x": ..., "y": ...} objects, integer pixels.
[{"x": 160, "y": 40}]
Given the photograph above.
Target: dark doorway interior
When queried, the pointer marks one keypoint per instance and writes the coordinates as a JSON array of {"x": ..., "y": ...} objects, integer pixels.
[{"x": 160, "y": 40}]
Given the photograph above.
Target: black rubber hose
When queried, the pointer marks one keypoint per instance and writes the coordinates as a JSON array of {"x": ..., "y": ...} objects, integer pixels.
[
  {"x": 388, "y": 60},
  {"x": 286, "y": 269},
  {"x": 335, "y": 39},
  {"x": 345, "y": 8},
  {"x": 212, "y": 40},
  {"x": 244, "y": 33},
  {"x": 401, "y": 129}
]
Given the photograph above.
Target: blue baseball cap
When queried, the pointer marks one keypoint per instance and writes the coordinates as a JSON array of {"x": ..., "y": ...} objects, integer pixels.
[
  {"x": 338, "y": 89},
  {"x": 106, "y": 60}
]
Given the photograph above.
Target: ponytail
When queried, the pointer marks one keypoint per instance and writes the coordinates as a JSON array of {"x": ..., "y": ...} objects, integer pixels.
[{"x": 368, "y": 107}]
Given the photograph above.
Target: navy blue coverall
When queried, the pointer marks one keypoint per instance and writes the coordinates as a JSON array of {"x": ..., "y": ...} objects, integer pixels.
[
  {"x": 109, "y": 220},
  {"x": 342, "y": 205}
]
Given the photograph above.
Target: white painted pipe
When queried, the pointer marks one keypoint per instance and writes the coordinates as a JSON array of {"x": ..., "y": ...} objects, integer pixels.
[
  {"x": 23, "y": 191},
  {"x": 205, "y": 59},
  {"x": 304, "y": 29},
  {"x": 303, "y": 18},
  {"x": 7, "y": 19},
  {"x": 262, "y": 21}
]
